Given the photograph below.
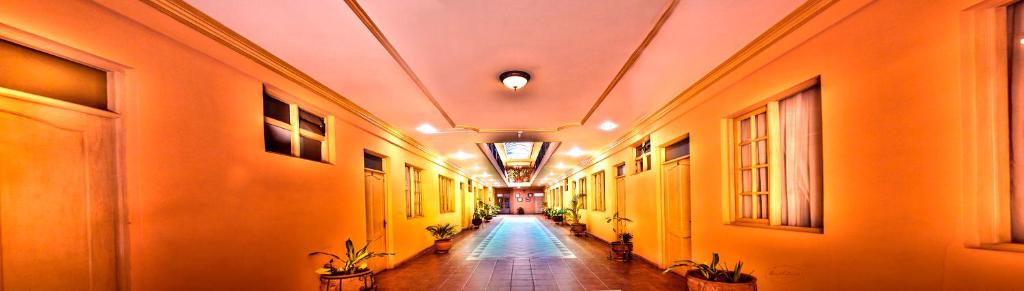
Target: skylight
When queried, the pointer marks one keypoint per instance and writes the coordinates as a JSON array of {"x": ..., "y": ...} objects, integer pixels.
[{"x": 518, "y": 150}]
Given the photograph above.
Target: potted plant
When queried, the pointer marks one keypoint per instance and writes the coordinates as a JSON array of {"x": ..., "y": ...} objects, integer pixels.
[
  {"x": 477, "y": 219},
  {"x": 558, "y": 215},
  {"x": 576, "y": 227},
  {"x": 622, "y": 247},
  {"x": 520, "y": 211},
  {"x": 443, "y": 234},
  {"x": 711, "y": 277},
  {"x": 354, "y": 270}
]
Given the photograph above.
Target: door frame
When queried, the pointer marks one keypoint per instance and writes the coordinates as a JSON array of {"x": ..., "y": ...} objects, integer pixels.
[
  {"x": 117, "y": 104},
  {"x": 388, "y": 242}
]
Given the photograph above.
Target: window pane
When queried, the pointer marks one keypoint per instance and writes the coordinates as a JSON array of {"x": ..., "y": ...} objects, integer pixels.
[
  {"x": 746, "y": 181},
  {"x": 311, "y": 122},
  {"x": 800, "y": 140},
  {"x": 37, "y": 72},
  {"x": 677, "y": 150},
  {"x": 762, "y": 201},
  {"x": 748, "y": 209},
  {"x": 745, "y": 130},
  {"x": 762, "y": 179},
  {"x": 762, "y": 124},
  {"x": 620, "y": 170},
  {"x": 373, "y": 162},
  {"x": 276, "y": 139},
  {"x": 275, "y": 109},
  {"x": 310, "y": 149},
  {"x": 762, "y": 152},
  {"x": 745, "y": 155}
]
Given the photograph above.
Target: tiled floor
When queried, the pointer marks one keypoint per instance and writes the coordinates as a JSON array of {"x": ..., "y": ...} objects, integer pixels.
[{"x": 476, "y": 263}]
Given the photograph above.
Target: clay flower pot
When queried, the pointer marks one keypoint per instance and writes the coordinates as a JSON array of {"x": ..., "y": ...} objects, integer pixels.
[
  {"x": 477, "y": 222},
  {"x": 557, "y": 219},
  {"x": 442, "y": 246},
  {"x": 622, "y": 251},
  {"x": 696, "y": 282},
  {"x": 578, "y": 229}
]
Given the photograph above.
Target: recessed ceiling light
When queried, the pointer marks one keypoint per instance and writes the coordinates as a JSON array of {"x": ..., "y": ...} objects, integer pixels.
[
  {"x": 608, "y": 126},
  {"x": 514, "y": 79},
  {"x": 575, "y": 152},
  {"x": 426, "y": 128},
  {"x": 560, "y": 165},
  {"x": 461, "y": 155},
  {"x": 477, "y": 167}
]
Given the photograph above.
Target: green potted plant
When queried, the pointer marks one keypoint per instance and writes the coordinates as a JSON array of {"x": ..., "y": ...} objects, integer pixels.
[
  {"x": 711, "y": 277},
  {"x": 622, "y": 247},
  {"x": 443, "y": 234},
  {"x": 520, "y": 211},
  {"x": 354, "y": 269},
  {"x": 576, "y": 227},
  {"x": 484, "y": 210},
  {"x": 558, "y": 215},
  {"x": 478, "y": 218}
]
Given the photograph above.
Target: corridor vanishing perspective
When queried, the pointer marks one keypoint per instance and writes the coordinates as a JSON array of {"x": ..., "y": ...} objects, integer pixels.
[
  {"x": 525, "y": 252},
  {"x": 698, "y": 145}
]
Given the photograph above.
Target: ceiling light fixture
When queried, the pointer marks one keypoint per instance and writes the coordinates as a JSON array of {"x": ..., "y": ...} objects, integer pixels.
[
  {"x": 514, "y": 79},
  {"x": 608, "y": 126},
  {"x": 576, "y": 152},
  {"x": 426, "y": 128},
  {"x": 461, "y": 155}
]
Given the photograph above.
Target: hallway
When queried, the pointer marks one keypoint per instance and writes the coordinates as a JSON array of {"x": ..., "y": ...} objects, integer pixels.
[{"x": 524, "y": 253}]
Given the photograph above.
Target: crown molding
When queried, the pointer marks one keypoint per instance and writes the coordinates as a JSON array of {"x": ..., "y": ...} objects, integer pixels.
[
  {"x": 784, "y": 27},
  {"x": 206, "y": 25}
]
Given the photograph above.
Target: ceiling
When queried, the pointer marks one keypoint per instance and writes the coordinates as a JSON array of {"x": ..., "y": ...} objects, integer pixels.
[{"x": 591, "y": 61}]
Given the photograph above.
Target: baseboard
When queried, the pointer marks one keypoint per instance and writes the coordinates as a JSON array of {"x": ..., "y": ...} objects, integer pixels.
[{"x": 642, "y": 259}]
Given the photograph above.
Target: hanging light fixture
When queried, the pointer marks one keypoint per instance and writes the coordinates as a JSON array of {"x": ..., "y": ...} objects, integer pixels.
[{"x": 514, "y": 79}]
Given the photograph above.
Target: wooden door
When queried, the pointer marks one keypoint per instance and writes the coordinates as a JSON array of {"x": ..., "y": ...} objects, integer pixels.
[
  {"x": 58, "y": 196},
  {"x": 376, "y": 219},
  {"x": 620, "y": 196},
  {"x": 467, "y": 206},
  {"x": 676, "y": 182}
]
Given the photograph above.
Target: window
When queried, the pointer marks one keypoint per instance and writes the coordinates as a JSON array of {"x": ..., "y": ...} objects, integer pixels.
[
  {"x": 413, "y": 192},
  {"x": 446, "y": 193},
  {"x": 582, "y": 203},
  {"x": 372, "y": 162},
  {"x": 642, "y": 162},
  {"x": 44, "y": 74},
  {"x": 780, "y": 143},
  {"x": 599, "y": 191},
  {"x": 677, "y": 150},
  {"x": 293, "y": 131},
  {"x": 620, "y": 170},
  {"x": 752, "y": 151}
]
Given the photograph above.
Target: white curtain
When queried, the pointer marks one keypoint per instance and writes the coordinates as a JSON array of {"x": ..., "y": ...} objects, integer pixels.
[
  {"x": 1017, "y": 125},
  {"x": 800, "y": 124}
]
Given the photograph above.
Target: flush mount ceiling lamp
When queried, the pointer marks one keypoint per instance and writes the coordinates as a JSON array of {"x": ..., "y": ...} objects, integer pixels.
[{"x": 514, "y": 79}]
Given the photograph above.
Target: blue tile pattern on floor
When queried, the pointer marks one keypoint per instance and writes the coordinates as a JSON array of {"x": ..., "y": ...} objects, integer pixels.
[{"x": 520, "y": 237}]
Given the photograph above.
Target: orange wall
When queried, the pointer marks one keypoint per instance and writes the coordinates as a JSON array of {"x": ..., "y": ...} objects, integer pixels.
[
  {"x": 209, "y": 208},
  {"x": 894, "y": 200}
]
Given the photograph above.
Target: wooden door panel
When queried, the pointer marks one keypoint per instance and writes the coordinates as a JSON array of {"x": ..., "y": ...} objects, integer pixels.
[
  {"x": 57, "y": 199},
  {"x": 376, "y": 226}
]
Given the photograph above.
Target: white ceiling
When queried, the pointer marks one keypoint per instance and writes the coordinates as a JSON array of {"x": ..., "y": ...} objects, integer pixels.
[{"x": 457, "y": 48}]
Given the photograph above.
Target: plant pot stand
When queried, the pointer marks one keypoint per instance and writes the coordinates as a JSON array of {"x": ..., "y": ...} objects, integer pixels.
[{"x": 363, "y": 281}]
